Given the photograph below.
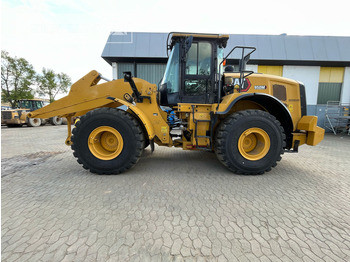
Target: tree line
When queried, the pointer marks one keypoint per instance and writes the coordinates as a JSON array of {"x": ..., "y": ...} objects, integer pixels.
[{"x": 19, "y": 80}]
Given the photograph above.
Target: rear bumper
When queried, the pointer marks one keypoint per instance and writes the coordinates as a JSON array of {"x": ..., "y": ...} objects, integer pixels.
[{"x": 308, "y": 131}]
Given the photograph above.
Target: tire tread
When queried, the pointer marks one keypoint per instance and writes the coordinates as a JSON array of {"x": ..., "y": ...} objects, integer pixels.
[
  {"x": 125, "y": 116},
  {"x": 227, "y": 125}
]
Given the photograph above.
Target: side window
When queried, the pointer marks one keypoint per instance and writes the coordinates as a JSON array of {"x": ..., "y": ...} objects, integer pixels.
[
  {"x": 196, "y": 87},
  {"x": 24, "y": 104},
  {"x": 204, "y": 59},
  {"x": 192, "y": 60},
  {"x": 38, "y": 104},
  {"x": 198, "y": 69},
  {"x": 198, "y": 61}
]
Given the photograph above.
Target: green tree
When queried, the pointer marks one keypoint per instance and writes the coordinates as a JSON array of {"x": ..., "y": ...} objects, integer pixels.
[
  {"x": 17, "y": 79},
  {"x": 50, "y": 84}
]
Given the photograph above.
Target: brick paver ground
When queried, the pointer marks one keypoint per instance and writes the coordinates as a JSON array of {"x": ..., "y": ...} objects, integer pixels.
[{"x": 173, "y": 205}]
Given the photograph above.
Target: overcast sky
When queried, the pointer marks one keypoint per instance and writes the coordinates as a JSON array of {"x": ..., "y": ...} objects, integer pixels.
[{"x": 69, "y": 35}]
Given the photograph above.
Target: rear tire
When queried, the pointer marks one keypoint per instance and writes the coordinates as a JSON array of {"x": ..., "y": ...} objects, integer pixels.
[
  {"x": 34, "y": 122},
  {"x": 56, "y": 121},
  {"x": 107, "y": 141},
  {"x": 250, "y": 142},
  {"x": 43, "y": 122},
  {"x": 64, "y": 121}
]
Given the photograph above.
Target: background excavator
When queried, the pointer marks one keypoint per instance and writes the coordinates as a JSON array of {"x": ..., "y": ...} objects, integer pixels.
[{"x": 248, "y": 119}]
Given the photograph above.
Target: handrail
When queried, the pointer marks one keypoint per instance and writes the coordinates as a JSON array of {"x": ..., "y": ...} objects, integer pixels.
[{"x": 244, "y": 59}]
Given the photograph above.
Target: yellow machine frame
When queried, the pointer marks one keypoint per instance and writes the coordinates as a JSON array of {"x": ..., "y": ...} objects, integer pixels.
[{"x": 277, "y": 104}]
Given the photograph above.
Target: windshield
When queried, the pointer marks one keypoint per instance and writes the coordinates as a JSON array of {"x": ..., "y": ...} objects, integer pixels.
[
  {"x": 25, "y": 104},
  {"x": 30, "y": 104},
  {"x": 172, "y": 72}
]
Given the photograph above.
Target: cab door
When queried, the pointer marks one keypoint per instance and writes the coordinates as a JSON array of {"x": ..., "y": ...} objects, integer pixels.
[{"x": 197, "y": 72}]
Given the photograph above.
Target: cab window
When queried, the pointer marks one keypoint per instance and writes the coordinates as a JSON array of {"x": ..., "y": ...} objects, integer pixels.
[
  {"x": 172, "y": 71},
  {"x": 199, "y": 58}
]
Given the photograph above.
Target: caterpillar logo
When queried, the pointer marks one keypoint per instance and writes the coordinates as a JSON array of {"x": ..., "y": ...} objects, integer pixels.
[{"x": 246, "y": 84}]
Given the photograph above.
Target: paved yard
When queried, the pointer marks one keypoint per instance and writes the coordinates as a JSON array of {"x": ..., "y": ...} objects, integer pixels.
[{"x": 173, "y": 205}]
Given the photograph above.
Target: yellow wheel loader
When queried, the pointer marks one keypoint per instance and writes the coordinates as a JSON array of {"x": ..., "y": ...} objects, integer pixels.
[
  {"x": 249, "y": 120},
  {"x": 19, "y": 116}
]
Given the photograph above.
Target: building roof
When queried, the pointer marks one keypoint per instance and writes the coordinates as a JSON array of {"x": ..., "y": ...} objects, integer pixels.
[{"x": 271, "y": 49}]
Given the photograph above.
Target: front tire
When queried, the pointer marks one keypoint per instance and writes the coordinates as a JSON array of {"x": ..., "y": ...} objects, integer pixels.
[
  {"x": 250, "y": 142},
  {"x": 34, "y": 122},
  {"x": 107, "y": 141}
]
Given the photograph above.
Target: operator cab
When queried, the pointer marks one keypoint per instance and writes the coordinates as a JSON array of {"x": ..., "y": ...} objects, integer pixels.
[
  {"x": 30, "y": 104},
  {"x": 192, "y": 72}
]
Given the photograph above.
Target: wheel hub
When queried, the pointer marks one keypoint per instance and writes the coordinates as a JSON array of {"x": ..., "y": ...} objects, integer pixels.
[
  {"x": 254, "y": 144},
  {"x": 105, "y": 143}
]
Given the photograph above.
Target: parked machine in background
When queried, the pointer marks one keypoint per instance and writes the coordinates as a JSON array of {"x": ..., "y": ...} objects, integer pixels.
[
  {"x": 249, "y": 120},
  {"x": 19, "y": 116}
]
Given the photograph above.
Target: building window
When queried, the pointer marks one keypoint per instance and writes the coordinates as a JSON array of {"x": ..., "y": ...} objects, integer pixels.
[
  {"x": 330, "y": 84},
  {"x": 271, "y": 70}
]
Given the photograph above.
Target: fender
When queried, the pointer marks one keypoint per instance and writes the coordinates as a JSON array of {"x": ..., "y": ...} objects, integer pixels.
[
  {"x": 274, "y": 106},
  {"x": 141, "y": 115}
]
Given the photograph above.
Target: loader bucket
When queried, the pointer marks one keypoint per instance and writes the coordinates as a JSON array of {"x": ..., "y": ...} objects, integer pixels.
[{"x": 85, "y": 95}]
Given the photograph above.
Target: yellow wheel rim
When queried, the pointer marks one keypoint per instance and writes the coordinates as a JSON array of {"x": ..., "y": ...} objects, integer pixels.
[
  {"x": 105, "y": 143},
  {"x": 254, "y": 144}
]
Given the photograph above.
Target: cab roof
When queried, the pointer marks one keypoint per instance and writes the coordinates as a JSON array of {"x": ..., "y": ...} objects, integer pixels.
[
  {"x": 175, "y": 36},
  {"x": 199, "y": 35}
]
